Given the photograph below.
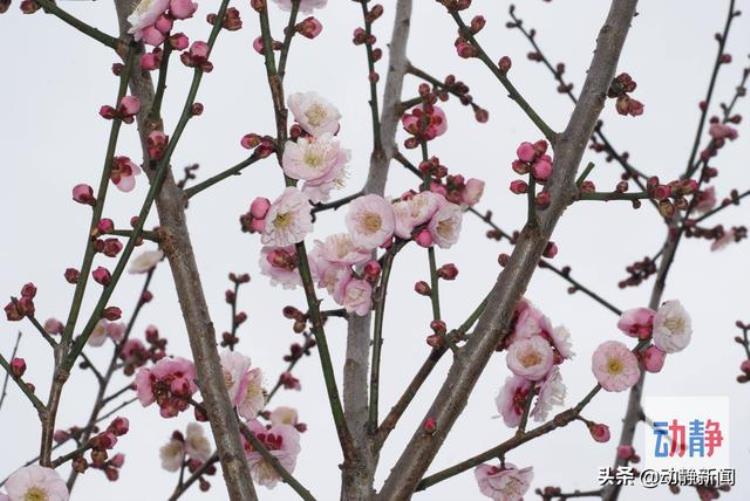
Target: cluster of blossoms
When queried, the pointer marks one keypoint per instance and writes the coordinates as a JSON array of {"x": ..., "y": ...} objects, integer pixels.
[
  {"x": 281, "y": 438},
  {"x": 18, "y": 308},
  {"x": 134, "y": 353},
  {"x": 620, "y": 89},
  {"x": 151, "y": 20},
  {"x": 533, "y": 160},
  {"x": 504, "y": 482},
  {"x": 667, "y": 330},
  {"x": 34, "y": 482},
  {"x": 170, "y": 383},
  {"x": 535, "y": 350},
  {"x": 99, "y": 445},
  {"x": 192, "y": 448}
]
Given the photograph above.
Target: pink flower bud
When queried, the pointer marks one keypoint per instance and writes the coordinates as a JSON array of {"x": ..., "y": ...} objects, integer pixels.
[
  {"x": 599, "y": 432},
  {"x": 107, "y": 112},
  {"x": 119, "y": 426},
  {"x": 519, "y": 187},
  {"x": 61, "y": 436},
  {"x": 182, "y": 9},
  {"x": 542, "y": 169},
  {"x": 652, "y": 359},
  {"x": 105, "y": 225},
  {"x": 199, "y": 50},
  {"x": 259, "y": 207},
  {"x": 526, "y": 152},
  {"x": 258, "y": 45},
  {"x": 745, "y": 366},
  {"x": 625, "y": 451},
  {"x": 309, "y": 28},
  {"x": 179, "y": 41},
  {"x": 71, "y": 275},
  {"x": 53, "y": 326},
  {"x": 448, "y": 271},
  {"x": 112, "y": 313},
  {"x": 28, "y": 290},
  {"x": 424, "y": 238},
  {"x": 150, "y": 61},
  {"x": 129, "y": 106},
  {"x": 164, "y": 24},
  {"x": 18, "y": 366},
  {"x": 504, "y": 64},
  {"x": 84, "y": 194},
  {"x": 422, "y": 288},
  {"x": 662, "y": 192},
  {"x": 117, "y": 460},
  {"x": 551, "y": 250},
  {"x": 543, "y": 199},
  {"x": 156, "y": 143},
  {"x": 101, "y": 275},
  {"x": 430, "y": 425},
  {"x": 371, "y": 271},
  {"x": 152, "y": 36},
  {"x": 257, "y": 225}
]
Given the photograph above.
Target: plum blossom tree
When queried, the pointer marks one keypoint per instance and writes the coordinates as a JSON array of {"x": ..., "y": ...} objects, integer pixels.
[{"x": 256, "y": 444}]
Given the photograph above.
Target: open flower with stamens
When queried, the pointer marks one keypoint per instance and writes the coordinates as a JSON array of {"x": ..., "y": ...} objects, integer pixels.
[
  {"x": 672, "y": 327},
  {"x": 370, "y": 221},
  {"x": 313, "y": 113},
  {"x": 282, "y": 441},
  {"x": 36, "y": 483},
  {"x": 530, "y": 358},
  {"x": 288, "y": 220},
  {"x": 415, "y": 211},
  {"x": 445, "y": 225},
  {"x": 319, "y": 161},
  {"x": 281, "y": 265},
  {"x": 503, "y": 483},
  {"x": 615, "y": 366}
]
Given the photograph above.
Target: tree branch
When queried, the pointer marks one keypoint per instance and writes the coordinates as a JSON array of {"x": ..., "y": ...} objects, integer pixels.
[{"x": 512, "y": 282}]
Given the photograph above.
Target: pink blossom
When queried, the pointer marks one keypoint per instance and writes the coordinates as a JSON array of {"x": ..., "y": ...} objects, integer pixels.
[
  {"x": 164, "y": 24},
  {"x": 282, "y": 441},
  {"x": 473, "y": 191},
  {"x": 599, "y": 432},
  {"x": 84, "y": 194},
  {"x": 652, "y": 359},
  {"x": 320, "y": 162},
  {"x": 530, "y": 358},
  {"x": 706, "y": 200},
  {"x": 169, "y": 383},
  {"x": 305, "y": 6},
  {"x": 425, "y": 122},
  {"x": 123, "y": 173},
  {"x": 526, "y": 152},
  {"x": 104, "y": 330},
  {"x": 552, "y": 393},
  {"x": 35, "y": 482},
  {"x": 720, "y": 131},
  {"x": 560, "y": 338},
  {"x": 288, "y": 220},
  {"x": 357, "y": 297},
  {"x": 309, "y": 27},
  {"x": 672, "y": 327},
  {"x": 340, "y": 249},
  {"x": 424, "y": 238},
  {"x": 314, "y": 114},
  {"x": 415, "y": 211},
  {"x": 280, "y": 264},
  {"x": 511, "y": 401},
  {"x": 370, "y": 221},
  {"x": 637, "y": 322},
  {"x": 333, "y": 276},
  {"x": 615, "y": 366},
  {"x": 129, "y": 106},
  {"x": 542, "y": 168},
  {"x": 182, "y": 9},
  {"x": 252, "y": 397},
  {"x": 145, "y": 15},
  {"x": 445, "y": 225},
  {"x": 234, "y": 367},
  {"x": 503, "y": 484}
]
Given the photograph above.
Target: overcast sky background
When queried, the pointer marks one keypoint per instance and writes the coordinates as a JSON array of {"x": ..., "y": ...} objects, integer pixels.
[{"x": 55, "y": 80}]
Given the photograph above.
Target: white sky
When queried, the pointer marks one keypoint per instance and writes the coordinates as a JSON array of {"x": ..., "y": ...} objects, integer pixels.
[{"x": 52, "y": 138}]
